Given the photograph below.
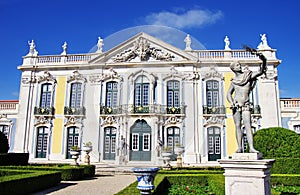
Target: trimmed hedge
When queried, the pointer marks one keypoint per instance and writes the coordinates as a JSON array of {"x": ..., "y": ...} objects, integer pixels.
[
  {"x": 286, "y": 166},
  {"x": 277, "y": 142},
  {"x": 285, "y": 179},
  {"x": 68, "y": 173},
  {"x": 25, "y": 182}
]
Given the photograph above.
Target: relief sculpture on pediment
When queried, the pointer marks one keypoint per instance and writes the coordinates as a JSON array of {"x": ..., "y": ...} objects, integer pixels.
[{"x": 142, "y": 50}]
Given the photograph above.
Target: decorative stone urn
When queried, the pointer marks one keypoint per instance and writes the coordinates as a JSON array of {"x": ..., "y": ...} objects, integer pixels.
[
  {"x": 179, "y": 150},
  {"x": 145, "y": 178},
  {"x": 167, "y": 158},
  {"x": 87, "y": 150},
  {"x": 75, "y": 156}
]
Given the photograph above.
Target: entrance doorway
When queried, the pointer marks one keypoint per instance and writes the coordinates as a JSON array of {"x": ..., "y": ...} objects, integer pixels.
[{"x": 140, "y": 141}]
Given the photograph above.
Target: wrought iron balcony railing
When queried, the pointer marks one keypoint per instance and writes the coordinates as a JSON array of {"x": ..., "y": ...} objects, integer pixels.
[
  {"x": 214, "y": 110},
  {"x": 149, "y": 109},
  {"x": 43, "y": 110},
  {"x": 74, "y": 111}
]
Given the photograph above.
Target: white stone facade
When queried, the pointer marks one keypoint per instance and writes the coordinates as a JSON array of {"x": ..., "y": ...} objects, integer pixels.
[{"x": 129, "y": 98}]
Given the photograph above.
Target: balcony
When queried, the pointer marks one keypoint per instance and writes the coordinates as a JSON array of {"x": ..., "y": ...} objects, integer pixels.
[
  {"x": 74, "y": 111},
  {"x": 149, "y": 109},
  {"x": 208, "y": 110},
  {"x": 46, "y": 111}
]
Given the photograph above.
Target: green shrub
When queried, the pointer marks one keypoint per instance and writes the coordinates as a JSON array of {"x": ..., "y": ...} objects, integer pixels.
[
  {"x": 67, "y": 172},
  {"x": 26, "y": 182},
  {"x": 89, "y": 170},
  {"x": 277, "y": 142},
  {"x": 286, "y": 166},
  {"x": 4, "y": 147},
  {"x": 285, "y": 179}
]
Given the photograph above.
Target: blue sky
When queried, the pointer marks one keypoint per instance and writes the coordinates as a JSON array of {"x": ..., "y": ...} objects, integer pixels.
[{"x": 51, "y": 22}]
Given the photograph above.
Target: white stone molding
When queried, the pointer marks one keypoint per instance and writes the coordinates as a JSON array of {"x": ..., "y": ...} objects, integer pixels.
[
  {"x": 142, "y": 50},
  {"x": 212, "y": 73},
  {"x": 173, "y": 120},
  {"x": 76, "y": 77},
  {"x": 214, "y": 120},
  {"x": 42, "y": 121},
  {"x": 111, "y": 75},
  {"x": 47, "y": 77},
  {"x": 74, "y": 121},
  {"x": 136, "y": 74},
  {"x": 109, "y": 121}
]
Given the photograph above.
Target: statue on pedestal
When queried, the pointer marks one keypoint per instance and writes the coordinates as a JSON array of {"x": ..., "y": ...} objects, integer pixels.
[{"x": 241, "y": 86}]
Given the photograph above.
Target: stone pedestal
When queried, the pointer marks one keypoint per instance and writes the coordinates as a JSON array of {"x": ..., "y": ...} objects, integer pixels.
[{"x": 247, "y": 174}]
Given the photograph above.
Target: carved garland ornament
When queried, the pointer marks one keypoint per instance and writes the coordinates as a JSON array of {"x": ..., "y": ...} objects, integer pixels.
[
  {"x": 47, "y": 77},
  {"x": 76, "y": 77},
  {"x": 142, "y": 49}
]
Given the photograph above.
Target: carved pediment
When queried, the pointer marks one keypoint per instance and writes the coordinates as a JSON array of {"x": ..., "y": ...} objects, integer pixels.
[
  {"x": 47, "y": 77},
  {"x": 142, "y": 50},
  {"x": 212, "y": 73},
  {"x": 76, "y": 77}
]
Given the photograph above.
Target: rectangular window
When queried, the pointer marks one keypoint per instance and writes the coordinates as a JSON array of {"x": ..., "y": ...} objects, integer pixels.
[
  {"x": 107, "y": 144},
  {"x": 76, "y": 95},
  {"x": 113, "y": 144},
  {"x": 135, "y": 142},
  {"x": 146, "y": 140}
]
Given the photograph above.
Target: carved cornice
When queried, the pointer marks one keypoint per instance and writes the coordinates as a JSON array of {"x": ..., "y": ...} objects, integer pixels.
[
  {"x": 42, "y": 120},
  {"x": 173, "y": 120},
  {"x": 47, "y": 77},
  {"x": 212, "y": 73},
  {"x": 109, "y": 120},
  {"x": 214, "y": 120},
  {"x": 112, "y": 75},
  {"x": 73, "y": 121},
  {"x": 141, "y": 49},
  {"x": 76, "y": 77}
]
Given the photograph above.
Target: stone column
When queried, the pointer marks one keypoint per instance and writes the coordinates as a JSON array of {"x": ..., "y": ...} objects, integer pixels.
[{"x": 246, "y": 174}]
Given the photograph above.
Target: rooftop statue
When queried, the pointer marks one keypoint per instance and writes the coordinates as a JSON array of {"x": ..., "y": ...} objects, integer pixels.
[
  {"x": 241, "y": 86},
  {"x": 99, "y": 45},
  {"x": 188, "y": 43},
  {"x": 227, "y": 43},
  {"x": 32, "y": 50},
  {"x": 264, "y": 43},
  {"x": 64, "y": 46}
]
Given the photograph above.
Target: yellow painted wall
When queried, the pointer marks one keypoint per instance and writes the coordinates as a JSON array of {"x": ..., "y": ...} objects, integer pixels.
[
  {"x": 58, "y": 126},
  {"x": 230, "y": 128}
]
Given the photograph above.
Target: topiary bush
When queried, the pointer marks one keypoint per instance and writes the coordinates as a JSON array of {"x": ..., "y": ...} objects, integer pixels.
[
  {"x": 276, "y": 142},
  {"x": 4, "y": 147}
]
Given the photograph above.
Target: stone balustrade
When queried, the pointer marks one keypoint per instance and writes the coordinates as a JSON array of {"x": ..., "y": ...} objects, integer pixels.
[{"x": 201, "y": 55}]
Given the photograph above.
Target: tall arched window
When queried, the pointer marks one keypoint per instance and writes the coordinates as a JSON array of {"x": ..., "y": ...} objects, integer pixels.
[
  {"x": 173, "y": 94},
  {"x": 111, "y": 94},
  {"x": 72, "y": 139},
  {"x": 46, "y": 92},
  {"x": 141, "y": 94},
  {"x": 42, "y": 142},
  {"x": 76, "y": 95},
  {"x": 212, "y": 93}
]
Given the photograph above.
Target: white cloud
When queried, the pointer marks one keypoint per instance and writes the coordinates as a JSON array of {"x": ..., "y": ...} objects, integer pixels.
[{"x": 188, "y": 19}]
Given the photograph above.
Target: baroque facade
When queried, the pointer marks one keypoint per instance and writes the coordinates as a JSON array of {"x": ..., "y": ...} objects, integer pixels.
[{"x": 137, "y": 98}]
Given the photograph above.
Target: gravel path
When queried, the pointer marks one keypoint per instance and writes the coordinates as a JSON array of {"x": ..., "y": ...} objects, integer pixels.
[{"x": 100, "y": 185}]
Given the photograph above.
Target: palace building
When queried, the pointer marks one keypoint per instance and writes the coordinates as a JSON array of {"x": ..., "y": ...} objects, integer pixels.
[{"x": 136, "y": 98}]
